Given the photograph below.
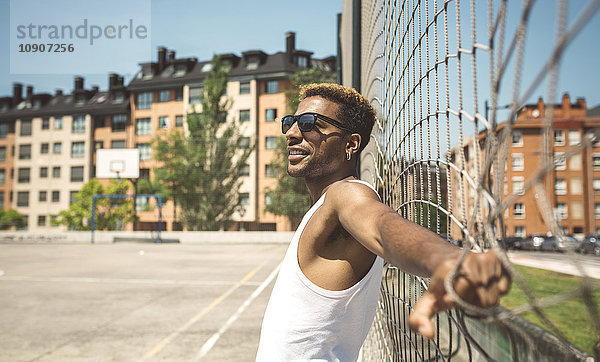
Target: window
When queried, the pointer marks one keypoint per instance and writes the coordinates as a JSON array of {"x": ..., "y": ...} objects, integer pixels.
[
  {"x": 44, "y": 148},
  {"x": 119, "y": 97},
  {"x": 56, "y": 172},
  {"x": 3, "y": 153},
  {"x": 596, "y": 184},
  {"x": 178, "y": 121},
  {"x": 272, "y": 86},
  {"x": 77, "y": 149},
  {"x": 45, "y": 123},
  {"x": 519, "y": 210},
  {"x": 145, "y": 173},
  {"x": 560, "y": 161},
  {"x": 574, "y": 137},
  {"x": 43, "y": 172},
  {"x": 144, "y": 151},
  {"x": 24, "y": 152},
  {"x": 560, "y": 186},
  {"x": 595, "y": 162},
  {"x": 164, "y": 95},
  {"x": 142, "y": 126},
  {"x": 73, "y": 197},
  {"x": 517, "y": 162},
  {"x": 117, "y": 144},
  {"x": 244, "y": 142},
  {"x": 270, "y": 171},
  {"x": 144, "y": 100},
  {"x": 575, "y": 162},
  {"x": 597, "y": 210},
  {"x": 57, "y": 147},
  {"x": 57, "y": 122},
  {"x": 76, "y": 173},
  {"x": 244, "y": 198},
  {"x": 25, "y": 127},
  {"x": 179, "y": 94},
  {"x": 23, "y": 175},
  {"x": 577, "y": 210},
  {"x": 163, "y": 122},
  {"x": 119, "y": 122},
  {"x": 244, "y": 87},
  {"x": 2, "y": 176},
  {"x": 270, "y": 114},
  {"x": 222, "y": 117},
  {"x": 561, "y": 212},
  {"x": 576, "y": 186},
  {"x": 267, "y": 199},
  {"x": 245, "y": 170},
  {"x": 141, "y": 203},
  {"x": 195, "y": 95},
  {"x": 517, "y": 138},
  {"x": 23, "y": 198},
  {"x": 98, "y": 145},
  {"x": 42, "y": 220},
  {"x": 244, "y": 115},
  {"x": 270, "y": 143},
  {"x": 517, "y": 183},
  {"x": 3, "y": 130},
  {"x": 98, "y": 122},
  {"x": 43, "y": 196},
  {"x": 55, "y": 196},
  {"x": 520, "y": 231},
  {"x": 78, "y": 124},
  {"x": 559, "y": 137},
  {"x": 302, "y": 61},
  {"x": 1, "y": 199}
]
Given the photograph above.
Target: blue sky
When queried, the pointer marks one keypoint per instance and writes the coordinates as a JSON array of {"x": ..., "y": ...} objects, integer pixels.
[{"x": 202, "y": 28}]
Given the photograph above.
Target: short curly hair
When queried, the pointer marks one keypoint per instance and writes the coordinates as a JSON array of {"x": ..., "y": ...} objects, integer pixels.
[{"x": 354, "y": 110}]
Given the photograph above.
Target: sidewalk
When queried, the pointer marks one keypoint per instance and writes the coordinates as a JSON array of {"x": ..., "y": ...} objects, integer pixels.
[{"x": 566, "y": 267}]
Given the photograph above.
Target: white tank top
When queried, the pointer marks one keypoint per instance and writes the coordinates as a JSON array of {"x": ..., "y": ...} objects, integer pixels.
[{"x": 306, "y": 322}]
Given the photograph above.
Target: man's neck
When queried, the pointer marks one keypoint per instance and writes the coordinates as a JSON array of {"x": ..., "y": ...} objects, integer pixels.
[{"x": 317, "y": 187}]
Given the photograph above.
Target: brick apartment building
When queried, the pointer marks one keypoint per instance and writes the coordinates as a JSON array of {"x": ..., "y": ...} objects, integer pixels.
[
  {"x": 49, "y": 141},
  {"x": 573, "y": 186}
]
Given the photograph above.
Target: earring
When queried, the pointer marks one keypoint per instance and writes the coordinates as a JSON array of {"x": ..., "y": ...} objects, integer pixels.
[{"x": 348, "y": 156}]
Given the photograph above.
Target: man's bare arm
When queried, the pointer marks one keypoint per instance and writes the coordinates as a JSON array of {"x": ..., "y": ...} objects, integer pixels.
[{"x": 482, "y": 278}]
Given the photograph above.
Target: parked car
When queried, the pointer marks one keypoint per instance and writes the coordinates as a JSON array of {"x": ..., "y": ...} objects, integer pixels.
[
  {"x": 511, "y": 242},
  {"x": 553, "y": 243},
  {"x": 533, "y": 242},
  {"x": 591, "y": 244}
]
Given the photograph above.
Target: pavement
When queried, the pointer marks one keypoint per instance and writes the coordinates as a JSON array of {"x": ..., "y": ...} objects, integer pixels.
[
  {"x": 567, "y": 263},
  {"x": 132, "y": 301}
]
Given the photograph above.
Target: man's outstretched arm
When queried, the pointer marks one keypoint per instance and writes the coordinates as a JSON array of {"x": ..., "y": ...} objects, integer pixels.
[{"x": 481, "y": 279}]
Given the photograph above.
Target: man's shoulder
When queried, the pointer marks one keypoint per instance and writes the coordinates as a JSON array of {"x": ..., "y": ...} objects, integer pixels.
[{"x": 347, "y": 191}]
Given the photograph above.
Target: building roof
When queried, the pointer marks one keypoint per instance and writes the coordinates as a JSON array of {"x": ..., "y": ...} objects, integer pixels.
[{"x": 96, "y": 103}]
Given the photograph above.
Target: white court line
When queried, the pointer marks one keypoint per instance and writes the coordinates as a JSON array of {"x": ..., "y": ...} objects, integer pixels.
[
  {"x": 121, "y": 280},
  {"x": 215, "y": 337},
  {"x": 157, "y": 348}
]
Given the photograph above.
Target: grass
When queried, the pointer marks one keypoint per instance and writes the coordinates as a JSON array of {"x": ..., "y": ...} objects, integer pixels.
[{"x": 571, "y": 317}]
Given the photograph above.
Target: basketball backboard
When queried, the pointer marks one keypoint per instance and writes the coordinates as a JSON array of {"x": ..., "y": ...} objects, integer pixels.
[{"x": 118, "y": 163}]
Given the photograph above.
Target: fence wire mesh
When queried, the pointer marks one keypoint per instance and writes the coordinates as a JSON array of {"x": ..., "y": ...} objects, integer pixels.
[{"x": 439, "y": 72}]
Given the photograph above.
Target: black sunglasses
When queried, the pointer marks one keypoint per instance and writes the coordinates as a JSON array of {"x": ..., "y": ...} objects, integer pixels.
[{"x": 306, "y": 122}]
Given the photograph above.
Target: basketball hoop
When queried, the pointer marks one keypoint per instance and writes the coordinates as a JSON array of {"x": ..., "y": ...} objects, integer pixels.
[{"x": 117, "y": 166}]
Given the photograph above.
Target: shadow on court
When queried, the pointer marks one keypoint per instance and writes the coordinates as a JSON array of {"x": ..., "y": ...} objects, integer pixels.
[{"x": 130, "y": 301}]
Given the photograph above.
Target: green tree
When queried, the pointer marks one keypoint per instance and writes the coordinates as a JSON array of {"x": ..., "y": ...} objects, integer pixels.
[
  {"x": 200, "y": 166},
  {"x": 11, "y": 218},
  {"x": 289, "y": 198},
  {"x": 110, "y": 214}
]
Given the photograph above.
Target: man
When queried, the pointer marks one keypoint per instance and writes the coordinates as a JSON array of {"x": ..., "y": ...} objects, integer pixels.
[{"x": 325, "y": 296}]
